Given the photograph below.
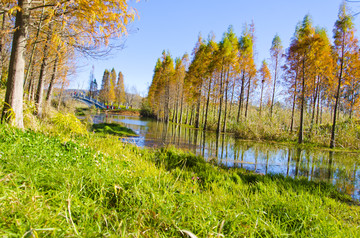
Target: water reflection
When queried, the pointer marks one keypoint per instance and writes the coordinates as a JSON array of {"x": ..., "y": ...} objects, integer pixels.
[{"x": 338, "y": 168}]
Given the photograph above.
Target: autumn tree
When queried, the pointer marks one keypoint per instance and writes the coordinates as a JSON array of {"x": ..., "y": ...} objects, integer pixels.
[
  {"x": 90, "y": 23},
  {"x": 159, "y": 91},
  {"x": 120, "y": 90},
  {"x": 304, "y": 41},
  {"x": 247, "y": 68},
  {"x": 344, "y": 43},
  {"x": 105, "y": 87}
]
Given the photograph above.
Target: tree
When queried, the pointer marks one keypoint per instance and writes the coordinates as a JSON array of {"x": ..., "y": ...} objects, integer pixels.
[
  {"x": 343, "y": 43},
  {"x": 105, "y": 87},
  {"x": 120, "y": 90},
  {"x": 304, "y": 43},
  {"x": 93, "y": 87},
  {"x": 247, "y": 68},
  {"x": 90, "y": 23},
  {"x": 276, "y": 52},
  {"x": 112, "y": 97}
]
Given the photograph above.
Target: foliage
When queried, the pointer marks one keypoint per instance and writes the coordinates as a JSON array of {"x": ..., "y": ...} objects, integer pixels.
[
  {"x": 68, "y": 124},
  {"x": 145, "y": 110}
]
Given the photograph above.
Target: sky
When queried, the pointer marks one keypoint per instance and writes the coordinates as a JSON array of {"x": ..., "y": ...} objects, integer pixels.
[{"x": 174, "y": 26}]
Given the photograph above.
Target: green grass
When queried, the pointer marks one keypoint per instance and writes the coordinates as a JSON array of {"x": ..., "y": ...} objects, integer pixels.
[
  {"x": 96, "y": 186},
  {"x": 113, "y": 129}
]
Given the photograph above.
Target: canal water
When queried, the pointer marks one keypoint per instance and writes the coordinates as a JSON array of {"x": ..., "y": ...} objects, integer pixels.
[{"x": 338, "y": 168}]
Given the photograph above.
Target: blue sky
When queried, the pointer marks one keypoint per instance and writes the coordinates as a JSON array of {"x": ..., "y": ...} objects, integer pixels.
[{"x": 174, "y": 25}]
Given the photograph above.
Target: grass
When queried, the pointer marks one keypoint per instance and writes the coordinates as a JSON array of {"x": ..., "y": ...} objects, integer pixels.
[
  {"x": 92, "y": 186},
  {"x": 113, "y": 129}
]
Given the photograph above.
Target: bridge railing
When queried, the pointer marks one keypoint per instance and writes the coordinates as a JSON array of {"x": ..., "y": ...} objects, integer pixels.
[{"x": 89, "y": 99}]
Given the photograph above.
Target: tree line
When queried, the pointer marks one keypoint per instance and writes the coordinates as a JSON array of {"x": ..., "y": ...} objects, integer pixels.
[
  {"x": 112, "y": 89},
  {"x": 40, "y": 40},
  {"x": 221, "y": 83}
]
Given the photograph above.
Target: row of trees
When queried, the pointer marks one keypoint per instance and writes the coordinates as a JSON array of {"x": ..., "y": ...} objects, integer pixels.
[
  {"x": 221, "y": 80},
  {"x": 39, "y": 40},
  {"x": 112, "y": 90}
]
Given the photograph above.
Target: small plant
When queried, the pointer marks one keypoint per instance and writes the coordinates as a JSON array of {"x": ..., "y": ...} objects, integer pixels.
[{"x": 68, "y": 124}]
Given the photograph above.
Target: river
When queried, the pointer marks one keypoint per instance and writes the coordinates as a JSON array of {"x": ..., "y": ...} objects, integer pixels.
[{"x": 338, "y": 168}]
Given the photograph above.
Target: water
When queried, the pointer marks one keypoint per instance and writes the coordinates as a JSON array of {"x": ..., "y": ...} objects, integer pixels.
[{"x": 338, "y": 168}]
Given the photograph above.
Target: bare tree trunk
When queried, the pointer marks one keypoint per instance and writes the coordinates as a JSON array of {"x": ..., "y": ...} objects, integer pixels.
[
  {"x": 197, "y": 116},
  {"x": 192, "y": 115},
  {"x": 13, "y": 107},
  {"x": 261, "y": 96},
  {"x": 61, "y": 95},
  {"x": 221, "y": 101},
  {"x": 207, "y": 104},
  {"x": 187, "y": 115},
  {"x": 247, "y": 98},
  {"x": 181, "y": 108},
  {"x": 2, "y": 42},
  {"x": 30, "y": 86},
  {"x": 294, "y": 102},
  {"x": 318, "y": 109},
  {"x": 231, "y": 100},
  {"x": 332, "y": 140},
  {"x": 241, "y": 97},
  {"x": 41, "y": 82},
  {"x": 52, "y": 82},
  {"x": 226, "y": 100},
  {"x": 301, "y": 128},
  {"x": 30, "y": 64},
  {"x": 274, "y": 88},
  {"x": 314, "y": 104}
]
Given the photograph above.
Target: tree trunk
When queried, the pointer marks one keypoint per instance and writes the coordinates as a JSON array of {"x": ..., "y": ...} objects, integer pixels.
[
  {"x": 226, "y": 101},
  {"x": 247, "y": 98},
  {"x": 301, "y": 128},
  {"x": 13, "y": 107},
  {"x": 60, "y": 96},
  {"x": 220, "y": 105},
  {"x": 231, "y": 100},
  {"x": 294, "y": 102},
  {"x": 33, "y": 49},
  {"x": 181, "y": 108},
  {"x": 2, "y": 42},
  {"x": 332, "y": 140},
  {"x": 207, "y": 104},
  {"x": 197, "y": 116},
  {"x": 187, "y": 115},
  {"x": 314, "y": 104},
  {"x": 241, "y": 97},
  {"x": 261, "y": 96},
  {"x": 41, "y": 82},
  {"x": 274, "y": 88},
  {"x": 52, "y": 81},
  {"x": 318, "y": 109}
]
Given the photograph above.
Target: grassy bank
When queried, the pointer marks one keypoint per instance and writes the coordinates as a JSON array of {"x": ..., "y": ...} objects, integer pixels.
[
  {"x": 113, "y": 129},
  {"x": 94, "y": 186}
]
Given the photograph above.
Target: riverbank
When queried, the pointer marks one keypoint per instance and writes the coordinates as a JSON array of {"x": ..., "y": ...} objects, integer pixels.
[
  {"x": 82, "y": 111},
  {"x": 89, "y": 185}
]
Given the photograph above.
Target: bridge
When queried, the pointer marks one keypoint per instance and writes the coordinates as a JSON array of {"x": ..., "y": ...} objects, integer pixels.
[{"x": 89, "y": 101}]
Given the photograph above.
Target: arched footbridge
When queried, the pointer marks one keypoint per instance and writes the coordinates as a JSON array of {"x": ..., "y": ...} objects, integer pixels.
[{"x": 89, "y": 101}]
